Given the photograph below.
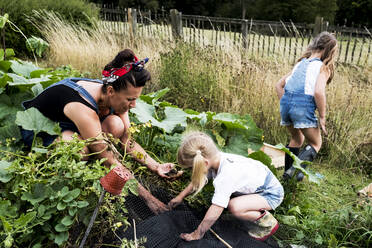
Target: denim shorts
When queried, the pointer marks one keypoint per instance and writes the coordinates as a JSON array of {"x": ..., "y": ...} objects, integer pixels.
[
  {"x": 298, "y": 110},
  {"x": 273, "y": 191}
]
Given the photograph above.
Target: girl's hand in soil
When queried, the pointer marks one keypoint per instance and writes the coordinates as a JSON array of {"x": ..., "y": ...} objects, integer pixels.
[
  {"x": 175, "y": 202},
  {"x": 195, "y": 235}
]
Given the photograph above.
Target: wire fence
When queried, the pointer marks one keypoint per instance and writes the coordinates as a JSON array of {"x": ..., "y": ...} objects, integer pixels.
[{"x": 259, "y": 38}]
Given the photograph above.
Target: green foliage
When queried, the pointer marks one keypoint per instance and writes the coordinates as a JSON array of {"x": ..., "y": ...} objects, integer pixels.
[
  {"x": 183, "y": 72},
  {"x": 46, "y": 193},
  {"x": 18, "y": 10},
  {"x": 36, "y": 45}
]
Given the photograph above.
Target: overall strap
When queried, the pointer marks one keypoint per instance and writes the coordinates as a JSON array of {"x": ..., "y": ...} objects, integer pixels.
[{"x": 70, "y": 82}]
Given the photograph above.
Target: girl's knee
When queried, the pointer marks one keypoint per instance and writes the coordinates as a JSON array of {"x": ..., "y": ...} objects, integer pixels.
[
  {"x": 114, "y": 125},
  {"x": 233, "y": 208}
]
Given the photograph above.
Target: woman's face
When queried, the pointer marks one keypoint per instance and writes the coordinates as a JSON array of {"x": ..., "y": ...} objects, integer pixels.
[{"x": 123, "y": 100}]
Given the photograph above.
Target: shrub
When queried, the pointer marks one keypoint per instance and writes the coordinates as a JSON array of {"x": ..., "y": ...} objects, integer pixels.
[{"x": 18, "y": 10}]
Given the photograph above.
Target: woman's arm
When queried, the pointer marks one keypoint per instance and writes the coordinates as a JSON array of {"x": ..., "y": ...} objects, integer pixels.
[
  {"x": 88, "y": 123},
  {"x": 139, "y": 154},
  {"x": 178, "y": 199},
  {"x": 279, "y": 87},
  {"x": 213, "y": 213},
  {"x": 320, "y": 97}
]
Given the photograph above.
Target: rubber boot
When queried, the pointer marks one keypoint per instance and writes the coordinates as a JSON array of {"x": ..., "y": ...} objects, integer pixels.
[
  {"x": 288, "y": 161},
  {"x": 265, "y": 226},
  {"x": 307, "y": 154}
]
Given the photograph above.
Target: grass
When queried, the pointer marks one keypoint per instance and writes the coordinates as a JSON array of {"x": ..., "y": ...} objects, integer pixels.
[{"x": 227, "y": 80}]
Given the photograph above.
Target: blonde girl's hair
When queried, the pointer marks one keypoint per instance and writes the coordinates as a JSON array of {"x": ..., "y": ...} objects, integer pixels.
[
  {"x": 326, "y": 43},
  {"x": 196, "y": 147}
]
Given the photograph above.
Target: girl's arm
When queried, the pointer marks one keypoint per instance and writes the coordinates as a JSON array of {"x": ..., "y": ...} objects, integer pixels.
[
  {"x": 178, "y": 199},
  {"x": 210, "y": 218},
  {"x": 140, "y": 155},
  {"x": 320, "y": 97},
  {"x": 279, "y": 87}
]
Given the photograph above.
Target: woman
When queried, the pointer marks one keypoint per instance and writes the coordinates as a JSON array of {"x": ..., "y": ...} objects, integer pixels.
[{"x": 89, "y": 107}]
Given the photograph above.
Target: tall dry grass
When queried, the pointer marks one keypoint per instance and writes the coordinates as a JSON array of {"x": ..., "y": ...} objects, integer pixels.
[{"x": 225, "y": 80}]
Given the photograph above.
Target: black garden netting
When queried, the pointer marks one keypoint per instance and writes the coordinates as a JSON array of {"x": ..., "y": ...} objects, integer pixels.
[{"x": 162, "y": 231}]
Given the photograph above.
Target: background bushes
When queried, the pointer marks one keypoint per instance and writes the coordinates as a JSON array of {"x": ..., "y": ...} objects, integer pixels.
[{"x": 18, "y": 10}]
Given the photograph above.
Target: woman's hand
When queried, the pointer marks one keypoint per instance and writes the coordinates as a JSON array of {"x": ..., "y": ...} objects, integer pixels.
[
  {"x": 195, "y": 235},
  {"x": 165, "y": 170},
  {"x": 156, "y": 206},
  {"x": 175, "y": 202}
]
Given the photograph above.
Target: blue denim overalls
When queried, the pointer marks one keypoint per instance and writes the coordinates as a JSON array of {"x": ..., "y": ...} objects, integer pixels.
[
  {"x": 296, "y": 107},
  {"x": 28, "y": 135}
]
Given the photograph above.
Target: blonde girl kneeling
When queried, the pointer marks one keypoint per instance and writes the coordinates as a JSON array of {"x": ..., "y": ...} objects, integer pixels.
[{"x": 258, "y": 188}]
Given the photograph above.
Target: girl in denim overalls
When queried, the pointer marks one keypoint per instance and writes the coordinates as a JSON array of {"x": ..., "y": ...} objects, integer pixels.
[{"x": 301, "y": 92}]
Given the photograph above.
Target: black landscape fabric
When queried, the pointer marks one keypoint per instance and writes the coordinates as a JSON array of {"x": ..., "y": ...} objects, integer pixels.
[{"x": 162, "y": 231}]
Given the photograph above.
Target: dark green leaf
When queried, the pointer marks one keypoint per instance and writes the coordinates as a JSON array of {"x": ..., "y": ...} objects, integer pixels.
[
  {"x": 67, "y": 221},
  {"x": 82, "y": 204},
  {"x": 61, "y": 228},
  {"x": 6, "y": 209},
  {"x": 5, "y": 65},
  {"x": 22, "y": 221},
  {"x": 61, "y": 237},
  {"x": 39, "y": 193},
  {"x": 37, "y": 45},
  {"x": 61, "y": 205},
  {"x": 261, "y": 156},
  {"x": 9, "y": 53}
]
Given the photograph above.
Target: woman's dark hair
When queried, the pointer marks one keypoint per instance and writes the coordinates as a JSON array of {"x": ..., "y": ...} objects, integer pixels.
[{"x": 137, "y": 78}]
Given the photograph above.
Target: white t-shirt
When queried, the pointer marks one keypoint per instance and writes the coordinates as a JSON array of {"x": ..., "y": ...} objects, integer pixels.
[{"x": 237, "y": 174}]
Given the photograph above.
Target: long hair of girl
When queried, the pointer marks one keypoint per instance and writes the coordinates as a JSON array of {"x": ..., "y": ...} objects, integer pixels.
[{"x": 199, "y": 173}]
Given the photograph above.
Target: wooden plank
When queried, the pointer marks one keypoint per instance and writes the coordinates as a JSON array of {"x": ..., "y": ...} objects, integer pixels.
[
  {"x": 369, "y": 52},
  {"x": 347, "y": 48},
  {"x": 353, "y": 51}
]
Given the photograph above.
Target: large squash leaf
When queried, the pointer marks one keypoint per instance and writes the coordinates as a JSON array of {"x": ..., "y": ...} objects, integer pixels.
[{"x": 32, "y": 119}]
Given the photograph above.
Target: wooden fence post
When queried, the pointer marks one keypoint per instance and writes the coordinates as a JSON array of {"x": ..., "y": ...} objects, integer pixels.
[
  {"x": 318, "y": 26},
  {"x": 176, "y": 21},
  {"x": 245, "y": 33},
  {"x": 132, "y": 21}
]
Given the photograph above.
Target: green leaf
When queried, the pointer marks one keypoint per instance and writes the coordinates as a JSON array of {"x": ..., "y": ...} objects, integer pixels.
[
  {"x": 61, "y": 228},
  {"x": 37, "y": 89},
  {"x": 23, "y": 68},
  {"x": 261, "y": 156},
  {"x": 3, "y": 20},
  {"x": 173, "y": 116},
  {"x": 60, "y": 238},
  {"x": 10, "y": 131},
  {"x": 7, "y": 227},
  {"x": 39, "y": 193},
  {"x": 37, "y": 45},
  {"x": 6, "y": 209},
  {"x": 71, "y": 195},
  {"x": 22, "y": 221},
  {"x": 319, "y": 239},
  {"x": 67, "y": 221},
  {"x": 5, "y": 65},
  {"x": 32, "y": 119},
  {"x": 61, "y": 206},
  {"x": 5, "y": 175},
  {"x": 289, "y": 220},
  {"x": 297, "y": 164},
  {"x": 40, "y": 73},
  {"x": 300, "y": 235},
  {"x": 153, "y": 97},
  {"x": 41, "y": 210},
  {"x": 295, "y": 210},
  {"x": 132, "y": 186},
  {"x": 72, "y": 211},
  {"x": 82, "y": 204},
  {"x": 4, "y": 80},
  {"x": 9, "y": 53}
]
